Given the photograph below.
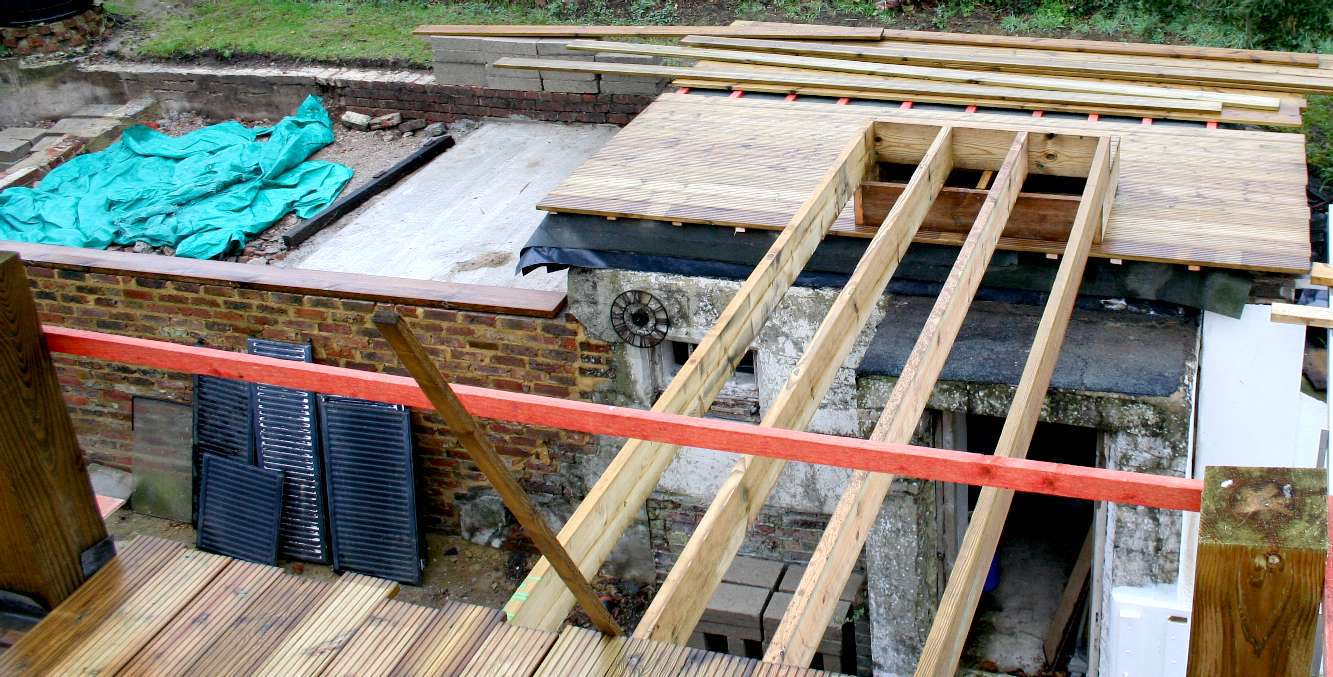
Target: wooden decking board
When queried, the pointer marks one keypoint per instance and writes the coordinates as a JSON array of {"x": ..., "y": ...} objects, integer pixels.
[
  {"x": 65, "y": 628},
  {"x": 382, "y": 639},
  {"x": 250, "y": 638},
  {"x": 510, "y": 650},
  {"x": 1190, "y": 196},
  {"x": 313, "y": 644},
  {"x": 193, "y": 630},
  {"x": 143, "y": 613},
  {"x": 160, "y": 609}
]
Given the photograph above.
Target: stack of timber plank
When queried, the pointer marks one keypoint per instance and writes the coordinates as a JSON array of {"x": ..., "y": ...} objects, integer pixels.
[{"x": 1072, "y": 76}]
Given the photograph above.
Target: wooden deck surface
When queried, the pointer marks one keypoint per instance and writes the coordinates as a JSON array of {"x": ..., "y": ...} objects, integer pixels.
[
  {"x": 160, "y": 608},
  {"x": 1187, "y": 195}
]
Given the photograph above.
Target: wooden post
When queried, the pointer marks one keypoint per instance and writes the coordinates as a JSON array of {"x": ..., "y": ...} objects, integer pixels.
[
  {"x": 474, "y": 441},
  {"x": 49, "y": 523},
  {"x": 1263, "y": 539}
]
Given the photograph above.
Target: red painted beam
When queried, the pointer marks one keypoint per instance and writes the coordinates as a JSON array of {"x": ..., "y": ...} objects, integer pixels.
[{"x": 1097, "y": 484}]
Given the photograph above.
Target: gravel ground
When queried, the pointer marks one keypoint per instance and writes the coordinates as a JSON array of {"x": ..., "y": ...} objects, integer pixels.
[{"x": 367, "y": 153}]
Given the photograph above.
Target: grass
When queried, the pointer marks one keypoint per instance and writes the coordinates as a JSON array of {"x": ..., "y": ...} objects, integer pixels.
[
  {"x": 350, "y": 31},
  {"x": 379, "y": 31}
]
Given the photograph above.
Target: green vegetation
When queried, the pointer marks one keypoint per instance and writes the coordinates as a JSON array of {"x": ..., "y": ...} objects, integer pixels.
[
  {"x": 379, "y": 31},
  {"x": 1319, "y": 139}
]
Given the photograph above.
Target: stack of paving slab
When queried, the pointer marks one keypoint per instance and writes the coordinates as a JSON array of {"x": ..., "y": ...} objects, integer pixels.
[
  {"x": 466, "y": 61},
  {"x": 748, "y": 605},
  {"x": 27, "y": 153}
]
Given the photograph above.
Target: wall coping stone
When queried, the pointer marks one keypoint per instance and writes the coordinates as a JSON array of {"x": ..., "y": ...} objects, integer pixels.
[{"x": 427, "y": 293}]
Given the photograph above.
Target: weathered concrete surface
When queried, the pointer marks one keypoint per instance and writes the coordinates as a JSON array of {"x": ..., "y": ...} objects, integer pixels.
[
  {"x": 464, "y": 216},
  {"x": 30, "y": 94},
  {"x": 693, "y": 305},
  {"x": 1104, "y": 351}
]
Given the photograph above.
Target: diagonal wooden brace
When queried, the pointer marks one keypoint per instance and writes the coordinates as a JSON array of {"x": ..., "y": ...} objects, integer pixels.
[{"x": 464, "y": 427}]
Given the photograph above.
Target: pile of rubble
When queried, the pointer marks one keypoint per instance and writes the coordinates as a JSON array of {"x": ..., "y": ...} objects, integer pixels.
[{"x": 391, "y": 121}]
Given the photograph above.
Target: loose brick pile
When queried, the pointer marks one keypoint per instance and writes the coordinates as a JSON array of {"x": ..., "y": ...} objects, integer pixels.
[
  {"x": 522, "y": 354},
  {"x": 57, "y": 36}
]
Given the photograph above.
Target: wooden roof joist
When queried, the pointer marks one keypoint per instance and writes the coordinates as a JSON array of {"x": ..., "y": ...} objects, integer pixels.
[
  {"x": 542, "y": 601},
  {"x": 680, "y": 602}
]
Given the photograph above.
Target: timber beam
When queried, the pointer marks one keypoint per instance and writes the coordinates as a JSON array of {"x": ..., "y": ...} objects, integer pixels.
[
  {"x": 953, "y": 619},
  {"x": 542, "y": 601},
  {"x": 811, "y": 608},
  {"x": 680, "y": 602}
]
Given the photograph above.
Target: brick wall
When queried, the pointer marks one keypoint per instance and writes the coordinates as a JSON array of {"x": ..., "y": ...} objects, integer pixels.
[{"x": 544, "y": 356}]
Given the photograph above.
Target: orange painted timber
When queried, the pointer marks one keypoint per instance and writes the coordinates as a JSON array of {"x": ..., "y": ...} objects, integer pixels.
[{"x": 1041, "y": 477}]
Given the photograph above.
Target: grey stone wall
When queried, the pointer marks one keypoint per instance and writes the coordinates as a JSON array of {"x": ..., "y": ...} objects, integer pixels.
[{"x": 907, "y": 553}]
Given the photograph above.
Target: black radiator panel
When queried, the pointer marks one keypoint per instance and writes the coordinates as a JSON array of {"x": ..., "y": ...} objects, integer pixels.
[
  {"x": 238, "y": 510},
  {"x": 287, "y": 439},
  {"x": 223, "y": 425},
  {"x": 371, "y": 488}
]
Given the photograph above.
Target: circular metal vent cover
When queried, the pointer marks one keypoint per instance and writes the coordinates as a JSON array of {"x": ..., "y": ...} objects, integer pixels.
[{"x": 639, "y": 318}]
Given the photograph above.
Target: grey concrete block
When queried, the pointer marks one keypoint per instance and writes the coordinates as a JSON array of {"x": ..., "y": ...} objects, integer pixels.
[
  {"x": 455, "y": 43},
  {"x": 97, "y": 133},
  {"x": 752, "y": 571},
  {"x": 830, "y": 643},
  {"x": 751, "y": 632},
  {"x": 571, "y": 86},
  {"x": 696, "y": 640},
  {"x": 460, "y": 56},
  {"x": 13, "y": 150},
  {"x": 640, "y": 59},
  {"x": 557, "y": 47},
  {"x": 469, "y": 74},
  {"x": 509, "y": 46},
  {"x": 629, "y": 84},
  {"x": 29, "y": 134},
  {"x": 511, "y": 79},
  {"x": 738, "y": 605},
  {"x": 850, "y": 592},
  {"x": 570, "y": 76}
]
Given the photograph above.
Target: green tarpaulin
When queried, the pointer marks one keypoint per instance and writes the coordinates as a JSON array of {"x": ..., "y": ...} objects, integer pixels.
[{"x": 203, "y": 193}]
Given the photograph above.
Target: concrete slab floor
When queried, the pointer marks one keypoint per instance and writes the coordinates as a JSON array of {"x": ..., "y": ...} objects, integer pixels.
[{"x": 463, "y": 217}]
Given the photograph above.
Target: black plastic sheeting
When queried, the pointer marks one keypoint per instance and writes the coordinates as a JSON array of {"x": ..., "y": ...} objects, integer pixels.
[
  {"x": 287, "y": 439},
  {"x": 371, "y": 489},
  {"x": 564, "y": 240},
  {"x": 238, "y": 510},
  {"x": 223, "y": 424}
]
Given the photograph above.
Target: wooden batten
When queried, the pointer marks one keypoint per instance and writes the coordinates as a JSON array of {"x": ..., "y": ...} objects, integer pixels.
[{"x": 541, "y": 600}]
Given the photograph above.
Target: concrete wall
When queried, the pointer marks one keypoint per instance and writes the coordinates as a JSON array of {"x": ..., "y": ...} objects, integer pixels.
[{"x": 908, "y": 550}]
